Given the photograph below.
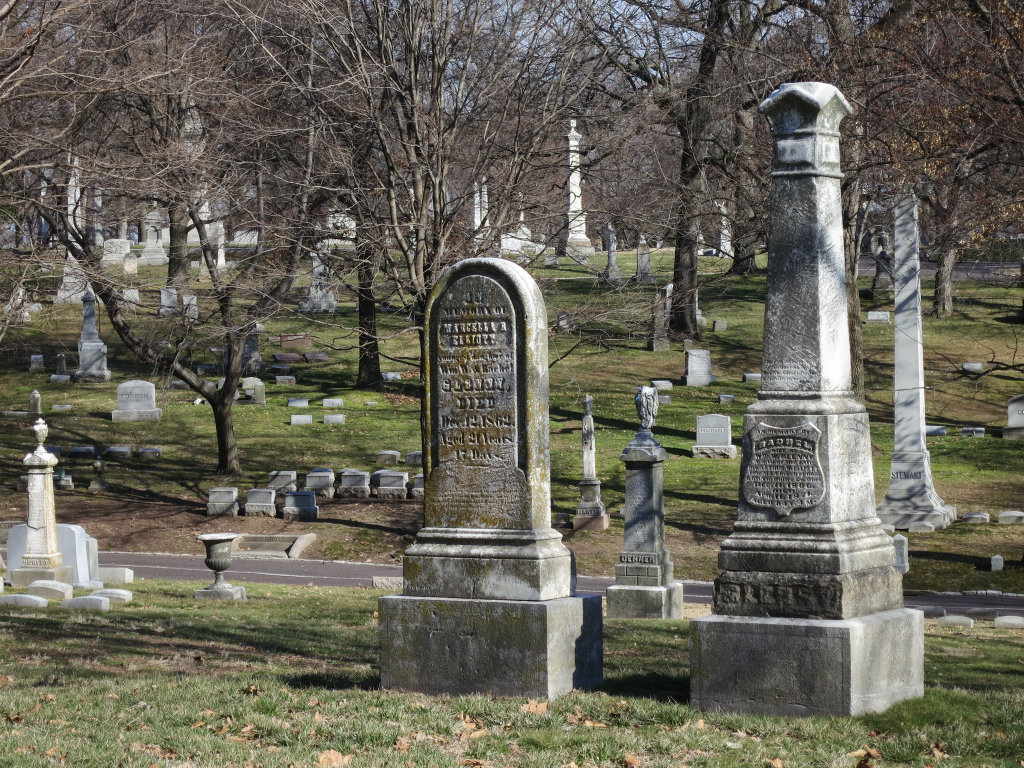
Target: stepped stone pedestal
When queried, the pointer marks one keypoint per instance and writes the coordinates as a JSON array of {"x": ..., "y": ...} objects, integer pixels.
[
  {"x": 488, "y": 603},
  {"x": 808, "y": 612}
]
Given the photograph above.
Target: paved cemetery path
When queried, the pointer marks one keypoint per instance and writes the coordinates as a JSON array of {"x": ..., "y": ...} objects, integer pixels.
[{"x": 346, "y": 574}]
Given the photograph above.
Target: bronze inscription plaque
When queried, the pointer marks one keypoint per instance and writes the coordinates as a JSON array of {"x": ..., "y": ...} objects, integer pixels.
[
  {"x": 784, "y": 471},
  {"x": 476, "y": 480}
]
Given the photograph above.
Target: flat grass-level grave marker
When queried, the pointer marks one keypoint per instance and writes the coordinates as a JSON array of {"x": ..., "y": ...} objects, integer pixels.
[
  {"x": 488, "y": 603},
  {"x": 911, "y": 497},
  {"x": 808, "y": 614}
]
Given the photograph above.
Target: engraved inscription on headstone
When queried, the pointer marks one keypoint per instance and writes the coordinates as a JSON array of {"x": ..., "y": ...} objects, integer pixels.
[
  {"x": 478, "y": 410},
  {"x": 784, "y": 471}
]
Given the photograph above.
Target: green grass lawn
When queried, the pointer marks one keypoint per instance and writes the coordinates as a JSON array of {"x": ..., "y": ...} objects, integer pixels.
[
  {"x": 290, "y": 678},
  {"x": 605, "y": 356}
]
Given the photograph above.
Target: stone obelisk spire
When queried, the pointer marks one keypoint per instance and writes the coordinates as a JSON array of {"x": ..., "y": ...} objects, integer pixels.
[{"x": 809, "y": 616}]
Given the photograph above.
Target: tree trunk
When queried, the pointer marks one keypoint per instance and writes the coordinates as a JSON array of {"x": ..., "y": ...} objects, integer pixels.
[
  {"x": 942, "y": 303},
  {"x": 369, "y": 350},
  {"x": 683, "y": 317},
  {"x": 228, "y": 459},
  {"x": 177, "y": 252}
]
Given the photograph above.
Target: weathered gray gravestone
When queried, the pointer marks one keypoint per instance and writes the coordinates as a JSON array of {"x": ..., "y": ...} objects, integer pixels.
[
  {"x": 590, "y": 512},
  {"x": 714, "y": 437},
  {"x": 611, "y": 271},
  {"x": 1014, "y": 429},
  {"x": 911, "y": 497},
  {"x": 488, "y": 603},
  {"x": 92, "y": 352},
  {"x": 658, "y": 340},
  {"x": 643, "y": 262},
  {"x": 136, "y": 401},
  {"x": 645, "y": 587},
  {"x": 808, "y": 613}
]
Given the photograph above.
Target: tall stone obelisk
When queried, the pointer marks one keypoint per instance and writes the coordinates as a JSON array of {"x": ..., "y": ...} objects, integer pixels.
[
  {"x": 911, "y": 497},
  {"x": 808, "y": 613},
  {"x": 488, "y": 602},
  {"x": 577, "y": 245}
]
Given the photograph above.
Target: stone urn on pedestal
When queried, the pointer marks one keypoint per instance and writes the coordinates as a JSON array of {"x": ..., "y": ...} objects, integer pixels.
[{"x": 218, "y": 559}]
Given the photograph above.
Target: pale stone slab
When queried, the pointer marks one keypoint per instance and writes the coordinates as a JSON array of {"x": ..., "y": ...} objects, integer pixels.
[
  {"x": 815, "y": 667},
  {"x": 114, "y": 595},
  {"x": 86, "y": 603},
  {"x": 24, "y": 601},
  {"x": 698, "y": 368},
  {"x": 116, "y": 574},
  {"x": 50, "y": 590}
]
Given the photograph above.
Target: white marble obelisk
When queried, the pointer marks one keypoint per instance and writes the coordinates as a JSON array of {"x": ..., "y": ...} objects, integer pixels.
[
  {"x": 911, "y": 497},
  {"x": 578, "y": 246}
]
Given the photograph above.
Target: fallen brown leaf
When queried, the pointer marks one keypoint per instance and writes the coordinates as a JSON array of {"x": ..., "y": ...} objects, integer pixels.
[
  {"x": 332, "y": 758},
  {"x": 535, "y": 707}
]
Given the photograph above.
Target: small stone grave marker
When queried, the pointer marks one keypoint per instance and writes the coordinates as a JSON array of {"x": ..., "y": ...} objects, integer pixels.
[
  {"x": 300, "y": 505},
  {"x": 223, "y": 501},
  {"x": 714, "y": 437},
  {"x": 353, "y": 483},
  {"x": 283, "y": 480},
  {"x": 136, "y": 401},
  {"x": 260, "y": 502},
  {"x": 698, "y": 368}
]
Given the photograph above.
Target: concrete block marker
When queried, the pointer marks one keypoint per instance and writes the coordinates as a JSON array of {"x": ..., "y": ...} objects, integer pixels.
[
  {"x": 24, "y": 601},
  {"x": 51, "y": 590},
  {"x": 114, "y": 595},
  {"x": 86, "y": 603}
]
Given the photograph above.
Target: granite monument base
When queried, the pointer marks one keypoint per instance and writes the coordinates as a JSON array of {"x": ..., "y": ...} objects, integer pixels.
[
  {"x": 542, "y": 648},
  {"x": 628, "y": 602},
  {"x": 22, "y": 577},
  {"x": 221, "y": 593},
  {"x": 806, "y": 667},
  {"x": 150, "y": 414}
]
